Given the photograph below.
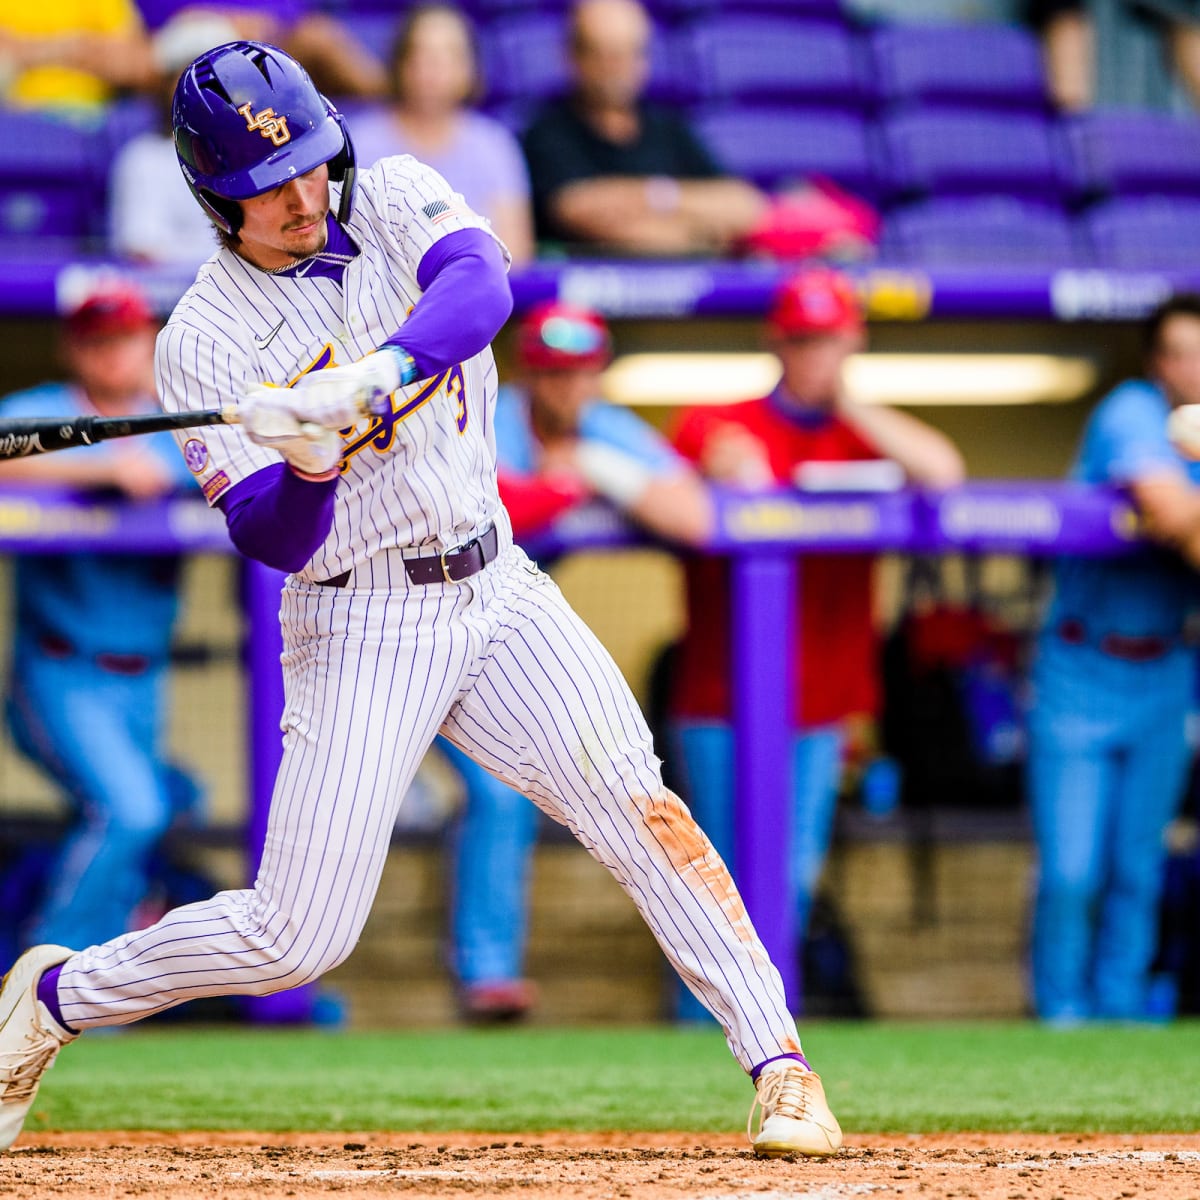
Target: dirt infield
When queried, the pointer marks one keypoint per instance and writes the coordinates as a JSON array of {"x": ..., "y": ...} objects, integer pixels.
[{"x": 223, "y": 1166}]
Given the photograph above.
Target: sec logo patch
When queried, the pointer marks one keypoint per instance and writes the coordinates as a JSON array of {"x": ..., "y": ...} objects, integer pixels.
[{"x": 195, "y": 454}]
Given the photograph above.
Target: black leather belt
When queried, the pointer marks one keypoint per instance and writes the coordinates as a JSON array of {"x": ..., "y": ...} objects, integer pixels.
[{"x": 452, "y": 566}]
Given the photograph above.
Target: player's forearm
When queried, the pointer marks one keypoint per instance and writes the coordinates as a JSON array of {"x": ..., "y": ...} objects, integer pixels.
[
  {"x": 277, "y": 518},
  {"x": 466, "y": 301},
  {"x": 678, "y": 507},
  {"x": 926, "y": 455},
  {"x": 69, "y": 471}
]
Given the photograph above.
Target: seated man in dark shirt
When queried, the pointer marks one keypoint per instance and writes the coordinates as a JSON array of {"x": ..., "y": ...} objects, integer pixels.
[{"x": 609, "y": 169}]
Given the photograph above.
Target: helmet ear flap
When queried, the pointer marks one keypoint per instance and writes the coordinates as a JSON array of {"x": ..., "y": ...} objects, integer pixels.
[
  {"x": 225, "y": 214},
  {"x": 342, "y": 168}
]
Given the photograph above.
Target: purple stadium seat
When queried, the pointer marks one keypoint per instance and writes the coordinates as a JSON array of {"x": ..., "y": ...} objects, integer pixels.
[
  {"x": 973, "y": 64},
  {"x": 525, "y": 60},
  {"x": 375, "y": 30},
  {"x": 980, "y": 231},
  {"x": 973, "y": 152},
  {"x": 674, "y": 10},
  {"x": 1130, "y": 152},
  {"x": 51, "y": 178},
  {"x": 775, "y": 146},
  {"x": 524, "y": 57},
  {"x": 1145, "y": 231},
  {"x": 778, "y": 61}
]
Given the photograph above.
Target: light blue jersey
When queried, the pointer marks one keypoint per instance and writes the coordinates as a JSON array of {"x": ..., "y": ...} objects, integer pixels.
[
  {"x": 94, "y": 603},
  {"x": 1143, "y": 595}
]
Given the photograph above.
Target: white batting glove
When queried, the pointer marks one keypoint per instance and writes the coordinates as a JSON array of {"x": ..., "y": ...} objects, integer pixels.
[
  {"x": 1183, "y": 428},
  {"x": 269, "y": 419},
  {"x": 338, "y": 396}
]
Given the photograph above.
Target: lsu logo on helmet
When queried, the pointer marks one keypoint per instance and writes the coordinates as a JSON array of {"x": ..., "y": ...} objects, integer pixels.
[{"x": 267, "y": 124}]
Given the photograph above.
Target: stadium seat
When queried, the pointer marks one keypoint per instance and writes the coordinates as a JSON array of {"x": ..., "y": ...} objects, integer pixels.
[
  {"x": 1127, "y": 152},
  {"x": 774, "y": 60},
  {"x": 984, "y": 231},
  {"x": 524, "y": 58},
  {"x": 51, "y": 178},
  {"x": 927, "y": 152},
  {"x": 776, "y": 146},
  {"x": 1145, "y": 232},
  {"x": 678, "y": 10},
  {"x": 971, "y": 64},
  {"x": 375, "y": 30}
]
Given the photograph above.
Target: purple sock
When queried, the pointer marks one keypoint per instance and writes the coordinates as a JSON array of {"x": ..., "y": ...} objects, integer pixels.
[
  {"x": 757, "y": 1071},
  {"x": 47, "y": 993}
]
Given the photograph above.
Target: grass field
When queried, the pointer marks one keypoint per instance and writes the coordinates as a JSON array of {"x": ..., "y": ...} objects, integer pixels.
[{"x": 880, "y": 1076}]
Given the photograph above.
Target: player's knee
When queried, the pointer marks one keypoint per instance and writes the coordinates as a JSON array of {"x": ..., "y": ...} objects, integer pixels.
[{"x": 305, "y": 951}]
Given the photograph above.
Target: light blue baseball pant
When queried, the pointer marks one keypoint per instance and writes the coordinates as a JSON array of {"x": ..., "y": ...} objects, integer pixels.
[
  {"x": 492, "y": 846},
  {"x": 706, "y": 750},
  {"x": 1106, "y": 776},
  {"x": 96, "y": 733}
]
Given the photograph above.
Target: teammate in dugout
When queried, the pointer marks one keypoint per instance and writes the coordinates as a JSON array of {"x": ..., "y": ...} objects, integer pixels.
[
  {"x": 809, "y": 420},
  {"x": 557, "y": 444},
  {"x": 408, "y": 610},
  {"x": 92, "y": 635}
]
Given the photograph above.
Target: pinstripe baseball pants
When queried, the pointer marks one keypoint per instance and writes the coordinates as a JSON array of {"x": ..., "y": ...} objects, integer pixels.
[{"x": 505, "y": 669}]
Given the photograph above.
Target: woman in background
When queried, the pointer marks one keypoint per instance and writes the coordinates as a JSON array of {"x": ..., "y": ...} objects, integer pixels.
[{"x": 434, "y": 78}]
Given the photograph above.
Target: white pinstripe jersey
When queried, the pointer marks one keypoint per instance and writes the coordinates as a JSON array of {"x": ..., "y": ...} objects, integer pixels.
[{"x": 423, "y": 477}]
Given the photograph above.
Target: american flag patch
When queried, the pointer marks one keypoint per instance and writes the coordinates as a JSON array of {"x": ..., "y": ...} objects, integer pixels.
[{"x": 439, "y": 210}]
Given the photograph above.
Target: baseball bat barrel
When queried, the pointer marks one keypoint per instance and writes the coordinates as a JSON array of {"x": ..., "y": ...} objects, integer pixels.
[{"x": 21, "y": 437}]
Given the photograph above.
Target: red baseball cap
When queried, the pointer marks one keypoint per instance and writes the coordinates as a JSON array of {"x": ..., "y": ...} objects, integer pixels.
[
  {"x": 557, "y": 336},
  {"x": 817, "y": 300},
  {"x": 111, "y": 309}
]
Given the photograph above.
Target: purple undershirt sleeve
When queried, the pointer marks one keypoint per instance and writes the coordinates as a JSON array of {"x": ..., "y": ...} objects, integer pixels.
[
  {"x": 466, "y": 301},
  {"x": 278, "y": 518}
]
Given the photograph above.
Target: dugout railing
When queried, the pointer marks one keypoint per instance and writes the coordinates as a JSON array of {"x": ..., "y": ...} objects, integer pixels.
[{"x": 765, "y": 535}]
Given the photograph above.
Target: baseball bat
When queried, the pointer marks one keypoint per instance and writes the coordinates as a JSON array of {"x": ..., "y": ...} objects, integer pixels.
[{"x": 22, "y": 436}]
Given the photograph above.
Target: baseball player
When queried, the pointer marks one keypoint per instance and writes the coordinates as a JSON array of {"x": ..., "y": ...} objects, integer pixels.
[
  {"x": 92, "y": 635},
  {"x": 408, "y": 610}
]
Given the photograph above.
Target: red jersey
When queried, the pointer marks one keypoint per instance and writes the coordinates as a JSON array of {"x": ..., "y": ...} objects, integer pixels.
[{"x": 835, "y": 663}]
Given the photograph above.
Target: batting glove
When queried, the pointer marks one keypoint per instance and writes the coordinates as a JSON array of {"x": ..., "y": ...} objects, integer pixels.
[
  {"x": 269, "y": 419},
  {"x": 1183, "y": 429},
  {"x": 338, "y": 396}
]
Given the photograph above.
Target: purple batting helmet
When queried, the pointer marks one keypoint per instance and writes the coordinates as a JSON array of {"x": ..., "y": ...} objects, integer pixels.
[{"x": 247, "y": 118}]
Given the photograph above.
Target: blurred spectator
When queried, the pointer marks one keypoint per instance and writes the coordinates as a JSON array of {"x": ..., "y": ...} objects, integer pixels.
[
  {"x": 807, "y": 426},
  {"x": 557, "y": 444},
  {"x": 434, "y": 76},
  {"x": 71, "y": 55},
  {"x": 92, "y": 634},
  {"x": 1118, "y": 52},
  {"x": 338, "y": 63},
  {"x": 1113, "y": 682},
  {"x": 152, "y": 216},
  {"x": 610, "y": 170}
]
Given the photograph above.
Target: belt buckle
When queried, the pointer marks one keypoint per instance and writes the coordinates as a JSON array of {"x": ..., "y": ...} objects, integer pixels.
[{"x": 445, "y": 566}]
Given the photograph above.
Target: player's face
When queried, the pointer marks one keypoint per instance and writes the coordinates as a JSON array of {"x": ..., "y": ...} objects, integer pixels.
[
  {"x": 437, "y": 73},
  {"x": 287, "y": 223},
  {"x": 611, "y": 53},
  {"x": 1176, "y": 362},
  {"x": 113, "y": 368},
  {"x": 557, "y": 397},
  {"x": 812, "y": 366}
]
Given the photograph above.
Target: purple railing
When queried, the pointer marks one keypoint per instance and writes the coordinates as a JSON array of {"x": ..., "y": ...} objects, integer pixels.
[{"x": 766, "y": 536}]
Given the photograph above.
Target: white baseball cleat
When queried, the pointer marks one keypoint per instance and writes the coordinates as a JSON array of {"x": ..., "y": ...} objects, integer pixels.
[
  {"x": 30, "y": 1038},
  {"x": 795, "y": 1115}
]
